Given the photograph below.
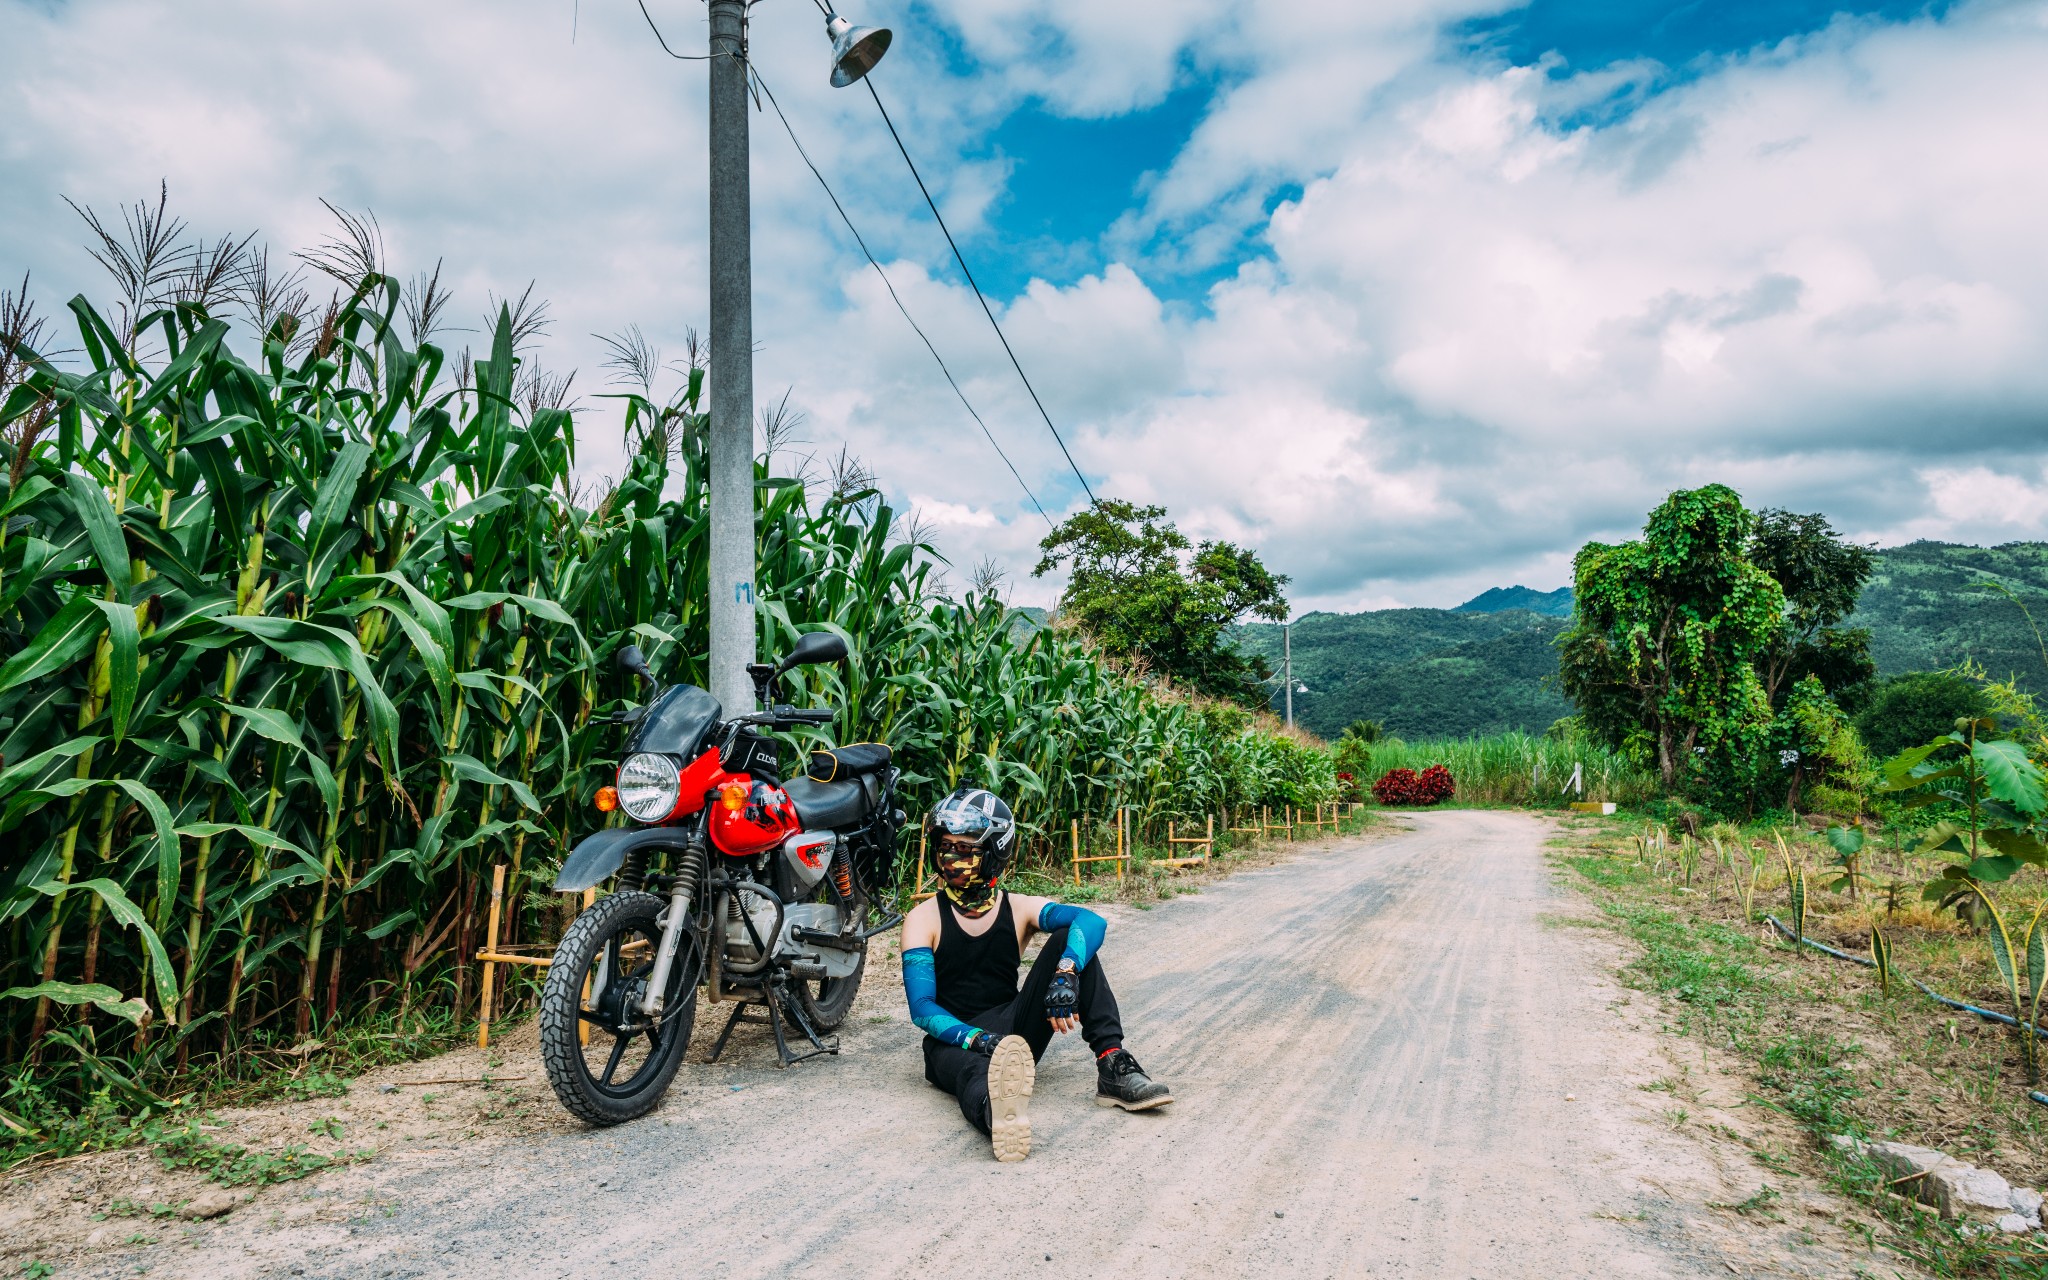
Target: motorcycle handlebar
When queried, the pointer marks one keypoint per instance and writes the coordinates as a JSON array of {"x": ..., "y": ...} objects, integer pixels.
[{"x": 789, "y": 715}]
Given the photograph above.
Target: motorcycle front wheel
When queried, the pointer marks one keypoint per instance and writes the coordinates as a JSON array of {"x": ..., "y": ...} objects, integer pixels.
[{"x": 607, "y": 1061}]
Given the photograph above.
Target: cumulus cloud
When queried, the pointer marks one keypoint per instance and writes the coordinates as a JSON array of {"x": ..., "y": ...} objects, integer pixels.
[{"x": 1504, "y": 310}]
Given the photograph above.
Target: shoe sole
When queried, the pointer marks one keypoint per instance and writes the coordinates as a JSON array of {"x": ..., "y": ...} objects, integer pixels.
[
  {"x": 1012, "y": 1072},
  {"x": 1147, "y": 1105}
]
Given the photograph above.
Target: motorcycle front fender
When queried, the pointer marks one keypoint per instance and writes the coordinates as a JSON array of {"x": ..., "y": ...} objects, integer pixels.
[{"x": 598, "y": 857}]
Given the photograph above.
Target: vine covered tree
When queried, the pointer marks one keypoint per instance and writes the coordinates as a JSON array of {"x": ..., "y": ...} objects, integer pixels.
[
  {"x": 1662, "y": 659},
  {"x": 1143, "y": 590}
]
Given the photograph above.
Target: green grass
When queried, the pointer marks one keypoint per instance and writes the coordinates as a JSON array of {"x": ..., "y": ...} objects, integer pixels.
[
  {"x": 1730, "y": 988},
  {"x": 1520, "y": 769}
]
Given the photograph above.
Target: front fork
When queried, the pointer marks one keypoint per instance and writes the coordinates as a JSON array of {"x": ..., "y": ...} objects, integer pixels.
[{"x": 682, "y": 895}]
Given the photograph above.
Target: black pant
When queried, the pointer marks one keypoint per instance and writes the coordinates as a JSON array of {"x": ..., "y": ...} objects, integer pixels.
[{"x": 964, "y": 1073}]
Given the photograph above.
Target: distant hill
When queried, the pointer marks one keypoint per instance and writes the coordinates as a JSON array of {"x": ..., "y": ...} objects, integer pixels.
[
  {"x": 1556, "y": 604},
  {"x": 1420, "y": 672},
  {"x": 1923, "y": 614},
  {"x": 1488, "y": 665}
]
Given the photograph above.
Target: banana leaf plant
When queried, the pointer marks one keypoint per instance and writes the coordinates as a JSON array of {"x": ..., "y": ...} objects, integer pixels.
[{"x": 1997, "y": 795}]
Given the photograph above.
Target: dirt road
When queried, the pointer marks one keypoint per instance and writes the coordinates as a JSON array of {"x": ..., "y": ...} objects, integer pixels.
[{"x": 1391, "y": 1059}]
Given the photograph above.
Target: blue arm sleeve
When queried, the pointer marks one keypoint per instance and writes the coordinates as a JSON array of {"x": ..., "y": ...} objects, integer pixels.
[
  {"x": 921, "y": 988},
  {"x": 1085, "y": 929}
]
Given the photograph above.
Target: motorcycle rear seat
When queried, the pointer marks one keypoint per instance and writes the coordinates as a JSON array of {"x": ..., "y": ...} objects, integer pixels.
[
  {"x": 830, "y": 804},
  {"x": 854, "y": 760}
]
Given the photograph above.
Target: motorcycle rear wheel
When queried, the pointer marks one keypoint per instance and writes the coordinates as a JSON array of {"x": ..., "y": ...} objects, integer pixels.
[{"x": 590, "y": 1030}]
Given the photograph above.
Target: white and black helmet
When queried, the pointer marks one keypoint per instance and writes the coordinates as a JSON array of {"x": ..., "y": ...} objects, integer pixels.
[{"x": 981, "y": 816}]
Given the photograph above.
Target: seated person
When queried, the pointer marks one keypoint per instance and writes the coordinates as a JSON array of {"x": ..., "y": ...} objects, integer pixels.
[{"x": 961, "y": 949}]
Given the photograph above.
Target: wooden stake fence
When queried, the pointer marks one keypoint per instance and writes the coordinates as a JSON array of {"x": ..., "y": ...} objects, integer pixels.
[
  {"x": 1120, "y": 857},
  {"x": 1207, "y": 841},
  {"x": 493, "y": 955}
]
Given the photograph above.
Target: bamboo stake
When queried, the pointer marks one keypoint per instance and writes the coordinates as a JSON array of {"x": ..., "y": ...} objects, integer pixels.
[{"x": 483, "y": 1016}]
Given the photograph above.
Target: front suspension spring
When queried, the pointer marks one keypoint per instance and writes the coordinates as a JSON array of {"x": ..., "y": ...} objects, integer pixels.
[{"x": 633, "y": 874}]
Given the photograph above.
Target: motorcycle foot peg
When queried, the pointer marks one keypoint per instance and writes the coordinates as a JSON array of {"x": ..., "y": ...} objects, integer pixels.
[{"x": 808, "y": 972}]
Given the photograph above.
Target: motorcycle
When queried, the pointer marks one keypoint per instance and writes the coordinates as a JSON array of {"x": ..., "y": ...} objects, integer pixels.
[{"x": 754, "y": 886}]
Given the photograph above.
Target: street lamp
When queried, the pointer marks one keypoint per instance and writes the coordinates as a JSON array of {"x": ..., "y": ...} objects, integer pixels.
[{"x": 855, "y": 51}]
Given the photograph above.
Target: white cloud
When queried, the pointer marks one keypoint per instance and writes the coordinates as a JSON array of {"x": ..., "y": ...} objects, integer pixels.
[{"x": 1478, "y": 336}]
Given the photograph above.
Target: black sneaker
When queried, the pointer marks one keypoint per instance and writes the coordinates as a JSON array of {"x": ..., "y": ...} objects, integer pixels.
[{"x": 1121, "y": 1082}]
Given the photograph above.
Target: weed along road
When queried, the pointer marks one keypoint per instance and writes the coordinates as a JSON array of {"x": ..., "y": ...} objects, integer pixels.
[{"x": 1393, "y": 1056}]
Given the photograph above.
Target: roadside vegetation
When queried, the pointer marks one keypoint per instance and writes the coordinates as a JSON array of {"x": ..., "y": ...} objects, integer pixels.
[
  {"x": 306, "y": 624},
  {"x": 1824, "y": 1041}
]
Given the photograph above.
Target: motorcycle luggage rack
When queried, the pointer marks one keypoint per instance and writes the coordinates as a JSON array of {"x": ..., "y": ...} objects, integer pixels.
[{"x": 776, "y": 1000}]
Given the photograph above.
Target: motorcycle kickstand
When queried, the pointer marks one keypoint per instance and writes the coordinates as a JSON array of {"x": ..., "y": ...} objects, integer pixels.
[
  {"x": 771, "y": 1013},
  {"x": 779, "y": 990}
]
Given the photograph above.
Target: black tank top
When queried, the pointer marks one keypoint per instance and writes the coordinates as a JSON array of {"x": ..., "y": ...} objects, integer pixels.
[{"x": 976, "y": 974}]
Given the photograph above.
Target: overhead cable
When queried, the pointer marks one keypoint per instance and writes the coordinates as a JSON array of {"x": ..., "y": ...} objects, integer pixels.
[
  {"x": 979, "y": 296},
  {"x": 762, "y": 85}
]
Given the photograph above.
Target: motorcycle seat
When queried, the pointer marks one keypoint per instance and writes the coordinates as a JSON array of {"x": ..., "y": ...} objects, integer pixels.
[
  {"x": 830, "y": 804},
  {"x": 854, "y": 760}
]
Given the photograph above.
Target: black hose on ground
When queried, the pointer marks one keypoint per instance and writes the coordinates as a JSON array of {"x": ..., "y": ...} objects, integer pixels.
[{"x": 1987, "y": 1014}]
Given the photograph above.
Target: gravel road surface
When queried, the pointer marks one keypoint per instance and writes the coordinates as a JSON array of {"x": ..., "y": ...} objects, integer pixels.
[{"x": 1393, "y": 1056}]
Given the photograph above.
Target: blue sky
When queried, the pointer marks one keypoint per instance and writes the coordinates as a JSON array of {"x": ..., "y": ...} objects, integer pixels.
[{"x": 1413, "y": 297}]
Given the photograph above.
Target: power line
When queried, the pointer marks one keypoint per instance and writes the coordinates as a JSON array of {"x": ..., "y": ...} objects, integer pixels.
[
  {"x": 679, "y": 57},
  {"x": 979, "y": 296},
  {"x": 886, "y": 284}
]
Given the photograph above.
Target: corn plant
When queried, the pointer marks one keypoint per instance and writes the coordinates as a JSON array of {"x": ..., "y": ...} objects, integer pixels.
[{"x": 305, "y": 626}]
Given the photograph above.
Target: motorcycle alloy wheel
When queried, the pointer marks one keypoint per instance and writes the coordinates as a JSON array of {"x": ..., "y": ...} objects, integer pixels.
[{"x": 607, "y": 1061}]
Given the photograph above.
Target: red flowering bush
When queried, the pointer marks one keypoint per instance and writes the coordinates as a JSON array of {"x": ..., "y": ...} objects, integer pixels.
[{"x": 1405, "y": 786}]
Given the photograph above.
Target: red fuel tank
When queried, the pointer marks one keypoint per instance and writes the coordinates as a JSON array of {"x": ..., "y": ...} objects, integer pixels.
[{"x": 748, "y": 816}]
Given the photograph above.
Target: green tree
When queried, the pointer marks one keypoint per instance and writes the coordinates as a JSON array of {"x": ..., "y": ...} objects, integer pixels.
[
  {"x": 1662, "y": 657},
  {"x": 1821, "y": 574},
  {"x": 1365, "y": 731},
  {"x": 1918, "y": 707},
  {"x": 1823, "y": 760},
  {"x": 1143, "y": 590}
]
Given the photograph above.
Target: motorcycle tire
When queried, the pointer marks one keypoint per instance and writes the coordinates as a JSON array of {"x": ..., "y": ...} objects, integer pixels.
[
  {"x": 826, "y": 1001},
  {"x": 616, "y": 938}
]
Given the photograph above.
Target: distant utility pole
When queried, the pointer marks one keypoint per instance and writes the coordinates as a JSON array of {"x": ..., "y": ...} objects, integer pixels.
[
  {"x": 732, "y": 366},
  {"x": 1287, "y": 662}
]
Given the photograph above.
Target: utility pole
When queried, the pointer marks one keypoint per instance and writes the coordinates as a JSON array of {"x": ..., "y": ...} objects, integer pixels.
[
  {"x": 1287, "y": 662},
  {"x": 732, "y": 366}
]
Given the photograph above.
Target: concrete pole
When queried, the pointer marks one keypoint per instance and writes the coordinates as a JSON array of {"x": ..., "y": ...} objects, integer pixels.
[
  {"x": 732, "y": 367},
  {"x": 1287, "y": 649}
]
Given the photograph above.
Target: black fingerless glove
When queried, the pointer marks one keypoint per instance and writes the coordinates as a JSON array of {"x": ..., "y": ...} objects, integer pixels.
[
  {"x": 983, "y": 1043},
  {"x": 1062, "y": 995}
]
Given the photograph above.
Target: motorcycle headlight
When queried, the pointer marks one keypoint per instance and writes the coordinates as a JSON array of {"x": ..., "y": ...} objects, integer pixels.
[{"x": 649, "y": 786}]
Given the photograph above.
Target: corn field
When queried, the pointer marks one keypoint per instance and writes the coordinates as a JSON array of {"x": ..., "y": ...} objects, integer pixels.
[
  {"x": 305, "y": 627},
  {"x": 1516, "y": 768}
]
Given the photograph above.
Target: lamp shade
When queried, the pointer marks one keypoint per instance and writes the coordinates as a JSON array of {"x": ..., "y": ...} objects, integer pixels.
[{"x": 855, "y": 50}]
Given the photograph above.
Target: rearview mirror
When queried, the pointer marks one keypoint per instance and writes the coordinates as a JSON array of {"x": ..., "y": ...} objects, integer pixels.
[
  {"x": 633, "y": 662},
  {"x": 816, "y": 646}
]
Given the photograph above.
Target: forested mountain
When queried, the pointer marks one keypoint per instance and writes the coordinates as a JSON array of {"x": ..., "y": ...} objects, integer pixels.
[
  {"x": 1421, "y": 672},
  {"x": 1557, "y": 604},
  {"x": 1924, "y": 613},
  {"x": 1486, "y": 666}
]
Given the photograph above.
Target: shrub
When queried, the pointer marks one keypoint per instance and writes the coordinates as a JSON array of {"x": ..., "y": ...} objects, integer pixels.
[
  {"x": 1917, "y": 707},
  {"x": 1405, "y": 786}
]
